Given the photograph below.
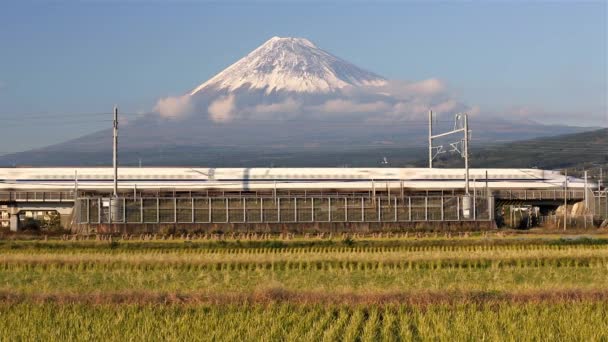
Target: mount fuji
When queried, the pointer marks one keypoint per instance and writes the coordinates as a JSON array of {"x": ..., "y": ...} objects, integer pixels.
[
  {"x": 287, "y": 103},
  {"x": 290, "y": 64}
]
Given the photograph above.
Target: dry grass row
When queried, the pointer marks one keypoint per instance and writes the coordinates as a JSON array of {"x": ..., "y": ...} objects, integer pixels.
[
  {"x": 279, "y": 295},
  {"x": 78, "y": 264}
]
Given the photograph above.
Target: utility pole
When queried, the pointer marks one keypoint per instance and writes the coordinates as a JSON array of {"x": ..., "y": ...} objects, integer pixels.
[
  {"x": 466, "y": 152},
  {"x": 565, "y": 199},
  {"x": 586, "y": 197},
  {"x": 586, "y": 202},
  {"x": 75, "y": 185},
  {"x": 487, "y": 189},
  {"x": 115, "y": 151},
  {"x": 430, "y": 139}
]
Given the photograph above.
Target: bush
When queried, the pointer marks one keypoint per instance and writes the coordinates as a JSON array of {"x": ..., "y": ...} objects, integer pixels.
[
  {"x": 31, "y": 224},
  {"x": 53, "y": 224},
  {"x": 348, "y": 241}
]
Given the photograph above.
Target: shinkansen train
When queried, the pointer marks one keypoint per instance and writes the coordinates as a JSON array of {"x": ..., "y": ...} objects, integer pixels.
[{"x": 252, "y": 179}]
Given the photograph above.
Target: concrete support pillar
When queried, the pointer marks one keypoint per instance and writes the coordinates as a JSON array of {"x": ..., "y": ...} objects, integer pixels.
[
  {"x": 14, "y": 219},
  {"x": 491, "y": 209}
]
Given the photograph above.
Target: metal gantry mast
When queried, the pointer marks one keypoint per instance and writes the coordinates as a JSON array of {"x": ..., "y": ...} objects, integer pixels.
[{"x": 461, "y": 125}]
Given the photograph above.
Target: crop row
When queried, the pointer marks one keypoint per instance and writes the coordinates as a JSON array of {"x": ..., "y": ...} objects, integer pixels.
[
  {"x": 71, "y": 257},
  {"x": 318, "y": 265},
  {"x": 536, "y": 321},
  {"x": 279, "y": 248}
]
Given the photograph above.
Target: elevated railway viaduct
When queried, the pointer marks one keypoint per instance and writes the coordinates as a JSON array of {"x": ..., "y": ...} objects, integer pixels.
[
  {"x": 140, "y": 210},
  {"x": 151, "y": 199}
]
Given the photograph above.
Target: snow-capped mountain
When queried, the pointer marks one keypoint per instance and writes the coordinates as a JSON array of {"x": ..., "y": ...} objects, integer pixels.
[
  {"x": 285, "y": 97},
  {"x": 290, "y": 64}
]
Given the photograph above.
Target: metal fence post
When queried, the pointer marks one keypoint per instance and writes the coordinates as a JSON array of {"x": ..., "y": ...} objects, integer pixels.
[
  {"x": 329, "y": 209},
  {"x": 345, "y": 209},
  {"x": 295, "y": 209},
  {"x": 227, "y": 210},
  {"x": 110, "y": 212},
  {"x": 474, "y": 208},
  {"x": 157, "y": 210},
  {"x": 312, "y": 209},
  {"x": 409, "y": 207},
  {"x": 192, "y": 212},
  {"x": 141, "y": 210},
  {"x": 442, "y": 204},
  {"x": 278, "y": 209},
  {"x": 210, "y": 209},
  {"x": 261, "y": 209},
  {"x": 395, "y": 207},
  {"x": 490, "y": 207},
  {"x": 174, "y": 209},
  {"x": 458, "y": 208},
  {"x": 426, "y": 208},
  {"x": 244, "y": 209},
  {"x": 362, "y": 209}
]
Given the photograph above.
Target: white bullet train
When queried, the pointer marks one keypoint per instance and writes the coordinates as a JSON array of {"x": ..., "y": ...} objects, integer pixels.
[{"x": 251, "y": 179}]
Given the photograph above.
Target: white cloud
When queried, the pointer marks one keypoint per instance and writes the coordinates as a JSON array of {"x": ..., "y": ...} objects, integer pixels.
[
  {"x": 474, "y": 111},
  {"x": 448, "y": 106},
  {"x": 223, "y": 109},
  {"x": 349, "y": 106},
  {"x": 288, "y": 106},
  {"x": 174, "y": 107},
  {"x": 405, "y": 90},
  {"x": 397, "y": 100},
  {"x": 431, "y": 86},
  {"x": 391, "y": 100}
]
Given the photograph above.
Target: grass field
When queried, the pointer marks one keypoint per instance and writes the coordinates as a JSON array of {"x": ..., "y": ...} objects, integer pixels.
[{"x": 515, "y": 288}]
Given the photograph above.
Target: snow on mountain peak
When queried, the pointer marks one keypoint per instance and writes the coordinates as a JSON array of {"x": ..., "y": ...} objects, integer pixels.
[{"x": 290, "y": 64}]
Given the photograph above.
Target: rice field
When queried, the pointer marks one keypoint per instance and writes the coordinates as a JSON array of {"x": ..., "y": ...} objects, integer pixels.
[{"x": 469, "y": 288}]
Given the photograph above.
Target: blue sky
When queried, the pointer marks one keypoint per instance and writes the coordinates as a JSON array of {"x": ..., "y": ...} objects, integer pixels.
[{"x": 60, "y": 59}]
